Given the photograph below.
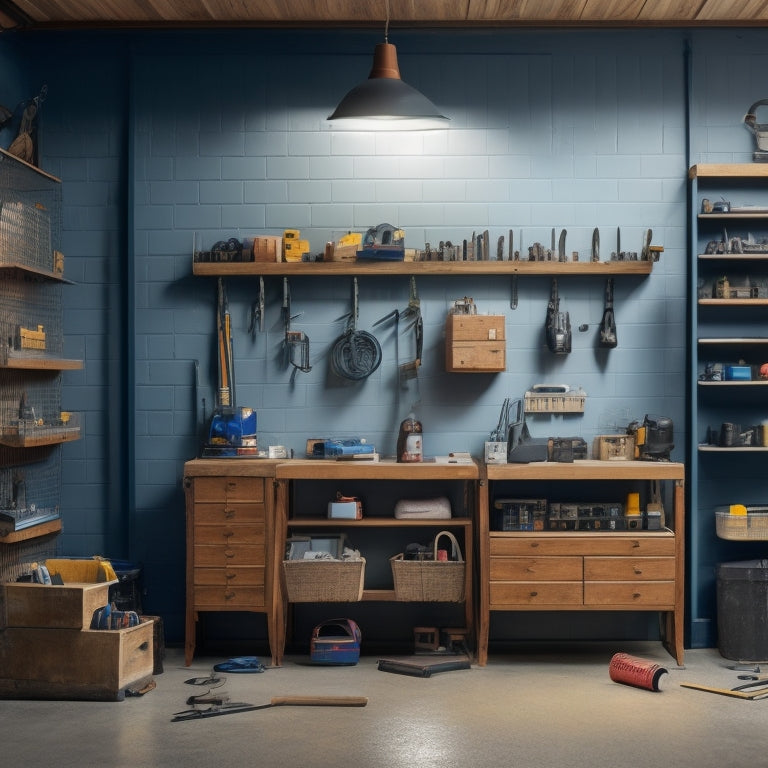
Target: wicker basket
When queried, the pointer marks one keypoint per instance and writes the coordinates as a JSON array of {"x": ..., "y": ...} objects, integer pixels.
[
  {"x": 749, "y": 523},
  {"x": 430, "y": 580},
  {"x": 324, "y": 581}
]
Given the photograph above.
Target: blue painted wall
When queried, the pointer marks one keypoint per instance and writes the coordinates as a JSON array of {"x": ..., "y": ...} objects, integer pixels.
[{"x": 163, "y": 137}]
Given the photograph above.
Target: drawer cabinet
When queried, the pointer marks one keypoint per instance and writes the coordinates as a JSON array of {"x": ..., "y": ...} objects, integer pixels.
[
  {"x": 580, "y": 570},
  {"x": 230, "y": 537}
]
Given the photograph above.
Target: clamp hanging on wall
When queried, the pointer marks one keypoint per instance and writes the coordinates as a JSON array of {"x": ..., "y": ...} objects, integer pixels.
[
  {"x": 410, "y": 369},
  {"x": 295, "y": 343}
]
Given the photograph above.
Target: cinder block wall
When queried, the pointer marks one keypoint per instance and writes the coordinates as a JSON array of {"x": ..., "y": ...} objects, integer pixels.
[{"x": 162, "y": 137}]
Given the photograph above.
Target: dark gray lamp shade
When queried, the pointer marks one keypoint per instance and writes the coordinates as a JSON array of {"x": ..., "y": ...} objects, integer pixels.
[{"x": 386, "y": 101}]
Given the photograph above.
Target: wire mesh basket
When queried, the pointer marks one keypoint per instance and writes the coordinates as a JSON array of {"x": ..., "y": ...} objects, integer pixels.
[
  {"x": 28, "y": 492},
  {"x": 29, "y": 233}
]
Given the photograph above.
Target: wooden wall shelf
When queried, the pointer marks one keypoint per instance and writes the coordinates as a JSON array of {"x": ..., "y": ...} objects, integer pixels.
[{"x": 449, "y": 268}]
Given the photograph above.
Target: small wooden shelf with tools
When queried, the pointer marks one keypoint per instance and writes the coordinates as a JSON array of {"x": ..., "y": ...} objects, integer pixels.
[
  {"x": 40, "y": 363},
  {"x": 33, "y": 532},
  {"x": 725, "y": 170},
  {"x": 448, "y": 268},
  {"x": 16, "y": 270},
  {"x": 733, "y": 302}
]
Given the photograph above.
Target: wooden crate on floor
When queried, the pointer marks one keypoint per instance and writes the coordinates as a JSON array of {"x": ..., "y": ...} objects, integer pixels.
[{"x": 96, "y": 665}]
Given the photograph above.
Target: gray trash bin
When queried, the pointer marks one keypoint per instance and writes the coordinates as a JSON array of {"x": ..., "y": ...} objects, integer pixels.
[{"x": 742, "y": 610}]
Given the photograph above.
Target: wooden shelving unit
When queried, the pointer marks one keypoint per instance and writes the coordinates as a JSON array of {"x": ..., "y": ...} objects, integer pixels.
[
  {"x": 32, "y": 425},
  {"x": 724, "y": 331}
]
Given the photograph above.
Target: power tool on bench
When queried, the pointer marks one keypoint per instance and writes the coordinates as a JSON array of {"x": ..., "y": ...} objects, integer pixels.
[{"x": 653, "y": 438}]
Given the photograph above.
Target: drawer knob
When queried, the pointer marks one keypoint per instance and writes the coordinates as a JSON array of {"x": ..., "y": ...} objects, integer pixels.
[
  {"x": 227, "y": 534},
  {"x": 635, "y": 544},
  {"x": 636, "y": 596},
  {"x": 534, "y": 544},
  {"x": 229, "y": 514},
  {"x": 229, "y": 575},
  {"x": 638, "y": 571},
  {"x": 229, "y": 553},
  {"x": 534, "y": 594},
  {"x": 229, "y": 594}
]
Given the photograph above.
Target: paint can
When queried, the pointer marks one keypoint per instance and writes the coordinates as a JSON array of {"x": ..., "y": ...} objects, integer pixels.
[{"x": 641, "y": 673}]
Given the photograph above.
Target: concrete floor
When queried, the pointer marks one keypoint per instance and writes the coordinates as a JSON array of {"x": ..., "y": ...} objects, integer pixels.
[{"x": 538, "y": 707}]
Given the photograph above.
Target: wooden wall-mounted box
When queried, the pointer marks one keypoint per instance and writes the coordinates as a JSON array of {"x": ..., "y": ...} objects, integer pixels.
[{"x": 475, "y": 344}]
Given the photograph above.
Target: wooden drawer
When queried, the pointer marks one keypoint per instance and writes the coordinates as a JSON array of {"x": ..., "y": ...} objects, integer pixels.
[
  {"x": 482, "y": 356},
  {"x": 229, "y": 489},
  {"x": 526, "y": 595},
  {"x": 230, "y": 534},
  {"x": 533, "y": 547},
  {"x": 607, "y": 544},
  {"x": 536, "y": 569},
  {"x": 659, "y": 595},
  {"x": 229, "y": 598},
  {"x": 223, "y": 555},
  {"x": 222, "y": 513},
  {"x": 629, "y": 568},
  {"x": 623, "y": 545},
  {"x": 229, "y": 577},
  {"x": 474, "y": 328}
]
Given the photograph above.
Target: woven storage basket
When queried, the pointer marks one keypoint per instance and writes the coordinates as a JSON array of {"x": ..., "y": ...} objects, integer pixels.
[
  {"x": 745, "y": 526},
  {"x": 324, "y": 581},
  {"x": 430, "y": 580}
]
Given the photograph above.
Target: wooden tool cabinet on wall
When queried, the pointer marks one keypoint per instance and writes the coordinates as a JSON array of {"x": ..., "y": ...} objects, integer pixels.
[
  {"x": 729, "y": 344},
  {"x": 32, "y": 424},
  {"x": 582, "y": 570}
]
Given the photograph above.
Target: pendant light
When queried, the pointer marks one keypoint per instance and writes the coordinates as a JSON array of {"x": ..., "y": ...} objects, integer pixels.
[{"x": 384, "y": 101}]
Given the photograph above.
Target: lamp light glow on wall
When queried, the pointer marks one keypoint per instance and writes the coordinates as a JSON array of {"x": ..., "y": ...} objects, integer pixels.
[{"x": 384, "y": 102}]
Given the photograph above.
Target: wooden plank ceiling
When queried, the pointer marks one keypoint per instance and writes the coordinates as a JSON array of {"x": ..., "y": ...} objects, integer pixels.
[{"x": 61, "y": 14}]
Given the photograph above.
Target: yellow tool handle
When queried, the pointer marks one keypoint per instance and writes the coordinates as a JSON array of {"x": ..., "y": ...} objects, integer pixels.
[{"x": 319, "y": 701}]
